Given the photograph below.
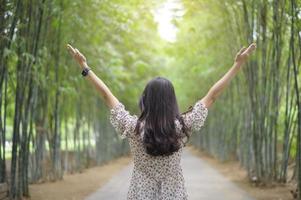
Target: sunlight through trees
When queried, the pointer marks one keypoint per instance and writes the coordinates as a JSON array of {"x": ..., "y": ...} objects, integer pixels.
[{"x": 53, "y": 122}]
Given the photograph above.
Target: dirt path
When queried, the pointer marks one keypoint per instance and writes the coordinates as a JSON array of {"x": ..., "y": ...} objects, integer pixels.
[
  {"x": 202, "y": 182},
  {"x": 78, "y": 186}
]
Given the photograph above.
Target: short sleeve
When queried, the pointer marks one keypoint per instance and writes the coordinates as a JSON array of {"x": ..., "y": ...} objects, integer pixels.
[
  {"x": 122, "y": 121},
  {"x": 195, "y": 118}
]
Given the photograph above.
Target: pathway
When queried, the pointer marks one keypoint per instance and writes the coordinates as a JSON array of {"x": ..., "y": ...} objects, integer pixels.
[{"x": 202, "y": 183}]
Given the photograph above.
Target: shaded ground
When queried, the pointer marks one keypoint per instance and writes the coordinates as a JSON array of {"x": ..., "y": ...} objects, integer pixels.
[
  {"x": 238, "y": 175},
  {"x": 78, "y": 186},
  {"x": 202, "y": 182}
]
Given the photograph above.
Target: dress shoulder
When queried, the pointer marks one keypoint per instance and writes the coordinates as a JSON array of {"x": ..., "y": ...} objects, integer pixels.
[
  {"x": 123, "y": 122},
  {"x": 194, "y": 119}
]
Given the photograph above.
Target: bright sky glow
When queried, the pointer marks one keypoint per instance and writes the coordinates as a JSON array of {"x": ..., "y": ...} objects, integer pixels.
[{"x": 164, "y": 14}]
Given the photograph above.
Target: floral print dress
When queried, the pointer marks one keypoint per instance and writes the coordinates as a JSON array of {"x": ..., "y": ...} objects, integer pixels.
[{"x": 155, "y": 177}]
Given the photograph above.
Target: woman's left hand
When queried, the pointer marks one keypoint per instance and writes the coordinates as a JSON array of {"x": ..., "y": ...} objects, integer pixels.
[
  {"x": 242, "y": 56},
  {"x": 78, "y": 56}
]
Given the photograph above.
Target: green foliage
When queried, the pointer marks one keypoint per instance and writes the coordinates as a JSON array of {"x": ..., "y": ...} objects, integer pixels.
[{"x": 47, "y": 97}]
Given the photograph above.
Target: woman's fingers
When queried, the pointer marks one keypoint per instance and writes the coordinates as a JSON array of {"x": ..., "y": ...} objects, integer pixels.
[
  {"x": 77, "y": 55},
  {"x": 241, "y": 50},
  {"x": 250, "y": 49},
  {"x": 244, "y": 53},
  {"x": 70, "y": 49},
  {"x": 253, "y": 46},
  {"x": 73, "y": 51}
]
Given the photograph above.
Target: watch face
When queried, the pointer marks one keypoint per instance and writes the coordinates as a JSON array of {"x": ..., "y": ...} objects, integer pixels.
[{"x": 85, "y": 71}]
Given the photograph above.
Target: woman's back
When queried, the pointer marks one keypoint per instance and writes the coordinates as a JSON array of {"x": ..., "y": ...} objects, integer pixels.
[{"x": 155, "y": 177}]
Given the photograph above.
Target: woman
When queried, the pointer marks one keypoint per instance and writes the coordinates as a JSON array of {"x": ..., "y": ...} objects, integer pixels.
[{"x": 158, "y": 135}]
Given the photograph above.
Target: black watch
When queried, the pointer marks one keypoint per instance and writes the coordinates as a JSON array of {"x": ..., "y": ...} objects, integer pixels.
[{"x": 86, "y": 71}]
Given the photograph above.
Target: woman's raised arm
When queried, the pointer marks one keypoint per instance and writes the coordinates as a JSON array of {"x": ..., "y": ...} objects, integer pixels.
[
  {"x": 219, "y": 86},
  {"x": 101, "y": 87}
]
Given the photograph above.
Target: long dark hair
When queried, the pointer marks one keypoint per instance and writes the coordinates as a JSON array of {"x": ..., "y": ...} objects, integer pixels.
[{"x": 159, "y": 109}]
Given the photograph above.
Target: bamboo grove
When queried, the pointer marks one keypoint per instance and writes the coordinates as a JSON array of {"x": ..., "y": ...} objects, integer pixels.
[
  {"x": 257, "y": 121},
  {"x": 52, "y": 121}
]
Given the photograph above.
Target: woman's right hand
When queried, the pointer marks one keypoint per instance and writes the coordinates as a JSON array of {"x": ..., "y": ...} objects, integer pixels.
[
  {"x": 78, "y": 56},
  {"x": 243, "y": 54}
]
